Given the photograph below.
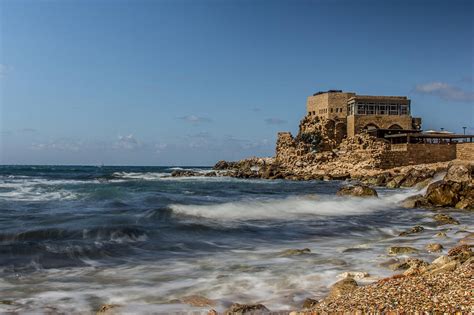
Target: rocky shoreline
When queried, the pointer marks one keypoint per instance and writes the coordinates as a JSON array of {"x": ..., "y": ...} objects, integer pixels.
[{"x": 442, "y": 285}]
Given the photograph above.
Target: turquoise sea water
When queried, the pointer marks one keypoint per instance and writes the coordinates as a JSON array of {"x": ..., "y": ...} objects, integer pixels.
[{"x": 75, "y": 237}]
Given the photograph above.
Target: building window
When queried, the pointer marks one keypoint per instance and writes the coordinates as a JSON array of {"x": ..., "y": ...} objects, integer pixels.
[
  {"x": 403, "y": 110},
  {"x": 382, "y": 109},
  {"x": 393, "y": 109},
  {"x": 371, "y": 110},
  {"x": 361, "y": 109}
]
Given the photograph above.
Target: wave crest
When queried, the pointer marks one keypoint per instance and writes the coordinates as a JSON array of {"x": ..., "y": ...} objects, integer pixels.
[{"x": 289, "y": 208}]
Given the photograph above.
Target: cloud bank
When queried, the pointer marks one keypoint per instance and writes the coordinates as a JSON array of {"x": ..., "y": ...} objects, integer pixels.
[{"x": 445, "y": 91}]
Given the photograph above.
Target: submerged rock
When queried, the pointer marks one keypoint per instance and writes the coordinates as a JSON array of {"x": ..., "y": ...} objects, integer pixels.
[
  {"x": 434, "y": 247},
  {"x": 106, "y": 309},
  {"x": 398, "y": 250},
  {"x": 467, "y": 240},
  {"x": 357, "y": 191},
  {"x": 197, "y": 300},
  {"x": 443, "y": 219},
  {"x": 237, "y": 309},
  {"x": 413, "y": 230},
  {"x": 295, "y": 252}
]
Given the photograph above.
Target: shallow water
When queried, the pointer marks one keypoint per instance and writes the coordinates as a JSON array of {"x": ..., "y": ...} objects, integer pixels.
[{"x": 72, "y": 238}]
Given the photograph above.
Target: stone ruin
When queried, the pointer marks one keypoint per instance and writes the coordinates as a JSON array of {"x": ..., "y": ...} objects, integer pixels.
[{"x": 319, "y": 143}]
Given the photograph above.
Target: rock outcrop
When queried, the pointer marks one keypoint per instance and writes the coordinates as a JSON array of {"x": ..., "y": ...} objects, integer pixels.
[{"x": 455, "y": 190}]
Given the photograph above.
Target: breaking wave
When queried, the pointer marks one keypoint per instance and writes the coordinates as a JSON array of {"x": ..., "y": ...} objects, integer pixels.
[
  {"x": 291, "y": 207},
  {"x": 139, "y": 175}
]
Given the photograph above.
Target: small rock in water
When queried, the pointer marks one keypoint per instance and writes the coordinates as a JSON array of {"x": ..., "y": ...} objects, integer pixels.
[
  {"x": 237, "y": 309},
  {"x": 295, "y": 252},
  {"x": 106, "y": 309},
  {"x": 413, "y": 230},
  {"x": 310, "y": 303},
  {"x": 357, "y": 191},
  {"x": 441, "y": 234},
  {"x": 467, "y": 240},
  {"x": 357, "y": 275},
  {"x": 417, "y": 201},
  {"x": 443, "y": 219},
  {"x": 396, "y": 250},
  {"x": 198, "y": 301},
  {"x": 434, "y": 248}
]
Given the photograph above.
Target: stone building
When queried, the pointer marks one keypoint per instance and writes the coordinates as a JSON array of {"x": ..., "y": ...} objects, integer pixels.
[{"x": 353, "y": 114}]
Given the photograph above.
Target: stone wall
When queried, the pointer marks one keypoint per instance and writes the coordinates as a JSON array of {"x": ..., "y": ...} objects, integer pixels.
[
  {"x": 334, "y": 105},
  {"x": 465, "y": 151},
  {"x": 417, "y": 154},
  {"x": 356, "y": 123}
]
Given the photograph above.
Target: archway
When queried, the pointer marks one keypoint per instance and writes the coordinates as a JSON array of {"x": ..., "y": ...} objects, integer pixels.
[
  {"x": 371, "y": 127},
  {"x": 395, "y": 127}
]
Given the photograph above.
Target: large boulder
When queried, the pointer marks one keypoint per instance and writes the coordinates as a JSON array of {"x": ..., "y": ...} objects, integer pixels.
[
  {"x": 459, "y": 172},
  {"x": 357, "y": 191},
  {"x": 455, "y": 190},
  {"x": 443, "y": 194}
]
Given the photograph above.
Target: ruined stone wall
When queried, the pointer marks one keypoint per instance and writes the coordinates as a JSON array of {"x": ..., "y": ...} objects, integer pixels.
[
  {"x": 356, "y": 123},
  {"x": 417, "y": 154},
  {"x": 465, "y": 151}
]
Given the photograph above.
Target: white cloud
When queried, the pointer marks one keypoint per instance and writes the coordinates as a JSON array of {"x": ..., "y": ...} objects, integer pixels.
[
  {"x": 445, "y": 91},
  {"x": 194, "y": 119},
  {"x": 59, "y": 145},
  {"x": 127, "y": 143},
  {"x": 275, "y": 121}
]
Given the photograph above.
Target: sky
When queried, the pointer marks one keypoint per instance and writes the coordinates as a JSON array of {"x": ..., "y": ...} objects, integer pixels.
[{"x": 193, "y": 82}]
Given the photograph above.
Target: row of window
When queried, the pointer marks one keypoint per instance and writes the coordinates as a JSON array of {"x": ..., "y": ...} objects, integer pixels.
[
  {"x": 378, "y": 109},
  {"x": 326, "y": 110}
]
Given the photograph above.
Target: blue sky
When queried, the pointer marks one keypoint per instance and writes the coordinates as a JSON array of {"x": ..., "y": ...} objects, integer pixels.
[{"x": 193, "y": 82}]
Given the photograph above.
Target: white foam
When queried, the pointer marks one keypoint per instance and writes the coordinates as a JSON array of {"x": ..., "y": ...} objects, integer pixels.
[
  {"x": 290, "y": 208},
  {"x": 140, "y": 176},
  {"x": 37, "y": 189}
]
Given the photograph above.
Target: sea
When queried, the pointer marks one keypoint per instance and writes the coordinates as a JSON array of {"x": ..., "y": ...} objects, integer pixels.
[{"x": 75, "y": 237}]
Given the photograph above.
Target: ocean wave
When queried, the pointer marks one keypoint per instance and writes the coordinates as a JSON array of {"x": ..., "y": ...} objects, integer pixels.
[
  {"x": 139, "y": 176},
  {"x": 291, "y": 207},
  {"x": 124, "y": 234},
  {"x": 36, "y": 190}
]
